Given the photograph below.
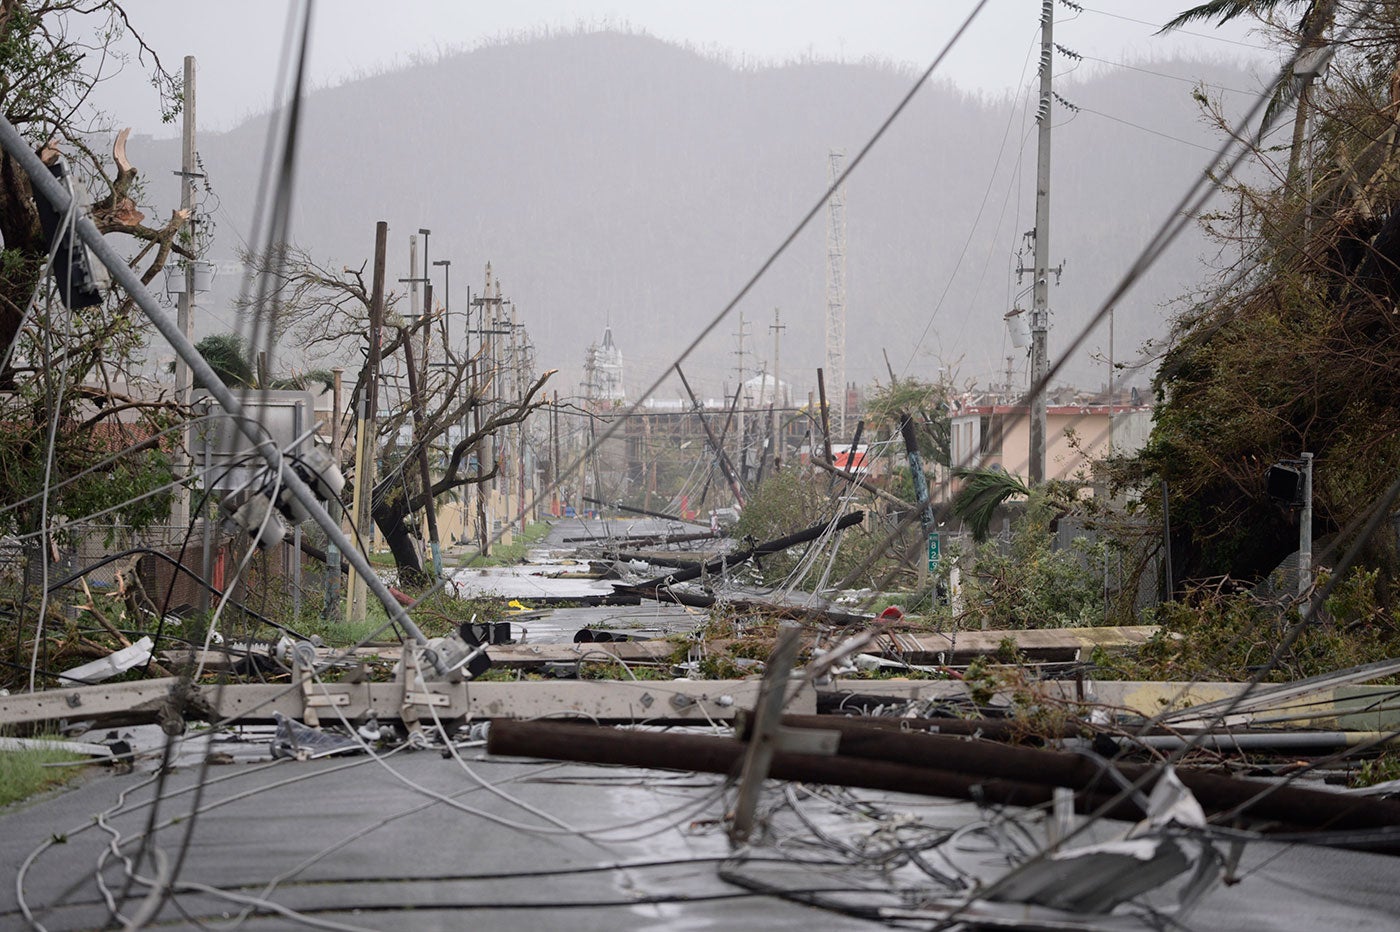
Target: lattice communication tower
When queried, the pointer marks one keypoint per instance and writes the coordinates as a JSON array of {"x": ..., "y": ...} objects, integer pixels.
[{"x": 836, "y": 296}]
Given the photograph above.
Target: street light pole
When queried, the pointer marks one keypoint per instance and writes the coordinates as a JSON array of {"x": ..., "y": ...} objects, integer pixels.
[
  {"x": 427, "y": 331},
  {"x": 447, "y": 300}
]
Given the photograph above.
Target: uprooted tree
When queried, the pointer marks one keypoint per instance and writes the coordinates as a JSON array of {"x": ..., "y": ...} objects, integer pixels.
[{"x": 327, "y": 312}]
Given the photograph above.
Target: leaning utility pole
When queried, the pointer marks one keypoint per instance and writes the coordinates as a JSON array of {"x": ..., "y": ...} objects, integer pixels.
[
  {"x": 735, "y": 485},
  {"x": 1040, "y": 313},
  {"x": 180, "y": 512}
]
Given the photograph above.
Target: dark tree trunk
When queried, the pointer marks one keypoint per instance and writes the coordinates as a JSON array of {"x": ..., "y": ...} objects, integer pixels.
[{"x": 391, "y": 517}]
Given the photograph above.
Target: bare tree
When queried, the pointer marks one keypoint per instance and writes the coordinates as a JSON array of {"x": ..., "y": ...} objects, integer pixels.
[{"x": 327, "y": 313}]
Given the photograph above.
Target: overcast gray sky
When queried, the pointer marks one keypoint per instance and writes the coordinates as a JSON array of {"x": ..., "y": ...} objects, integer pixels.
[{"x": 238, "y": 43}]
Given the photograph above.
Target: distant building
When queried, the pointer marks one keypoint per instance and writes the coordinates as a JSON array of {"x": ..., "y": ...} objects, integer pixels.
[
  {"x": 602, "y": 369},
  {"x": 763, "y": 390},
  {"x": 997, "y": 436}
]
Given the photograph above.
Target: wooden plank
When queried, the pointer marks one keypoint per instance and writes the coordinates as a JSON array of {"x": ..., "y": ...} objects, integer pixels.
[{"x": 1040, "y": 644}]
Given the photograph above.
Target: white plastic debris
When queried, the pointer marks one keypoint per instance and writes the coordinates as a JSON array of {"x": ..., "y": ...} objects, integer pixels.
[{"x": 114, "y": 664}]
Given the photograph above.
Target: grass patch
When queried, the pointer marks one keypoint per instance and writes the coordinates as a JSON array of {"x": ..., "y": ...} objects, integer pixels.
[
  {"x": 513, "y": 552},
  {"x": 597, "y": 669},
  {"x": 23, "y": 773}
]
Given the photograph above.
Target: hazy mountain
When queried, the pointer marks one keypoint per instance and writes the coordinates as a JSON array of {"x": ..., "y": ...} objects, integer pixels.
[{"x": 617, "y": 178}]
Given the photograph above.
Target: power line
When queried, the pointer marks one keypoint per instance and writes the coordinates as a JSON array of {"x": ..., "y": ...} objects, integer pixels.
[
  {"x": 967, "y": 243},
  {"x": 1185, "y": 32},
  {"x": 1169, "y": 77},
  {"x": 1147, "y": 129}
]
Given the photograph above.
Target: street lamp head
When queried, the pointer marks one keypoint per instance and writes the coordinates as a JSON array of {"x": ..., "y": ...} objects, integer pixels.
[
  {"x": 442, "y": 262},
  {"x": 423, "y": 231}
]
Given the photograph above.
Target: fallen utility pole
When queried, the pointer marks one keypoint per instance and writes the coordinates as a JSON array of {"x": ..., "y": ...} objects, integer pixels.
[
  {"x": 1217, "y": 794},
  {"x": 149, "y": 701},
  {"x": 48, "y": 187},
  {"x": 757, "y": 551},
  {"x": 725, "y": 466},
  {"x": 862, "y": 482},
  {"x": 932, "y": 765},
  {"x": 636, "y": 511},
  {"x": 819, "y": 614},
  {"x": 630, "y": 541},
  {"x": 708, "y": 754},
  {"x": 988, "y": 729},
  {"x": 1035, "y": 734}
]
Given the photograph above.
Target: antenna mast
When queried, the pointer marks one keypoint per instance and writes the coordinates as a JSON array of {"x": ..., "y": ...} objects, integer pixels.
[{"x": 836, "y": 290}]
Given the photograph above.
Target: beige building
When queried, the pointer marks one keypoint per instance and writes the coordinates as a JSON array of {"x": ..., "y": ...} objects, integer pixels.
[{"x": 998, "y": 436}]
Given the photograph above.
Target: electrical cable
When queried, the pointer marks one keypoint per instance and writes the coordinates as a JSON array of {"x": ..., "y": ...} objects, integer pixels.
[
  {"x": 1170, "y": 77},
  {"x": 615, "y": 424},
  {"x": 1146, "y": 129},
  {"x": 356, "y": 835},
  {"x": 102, "y": 464},
  {"x": 982, "y": 206},
  {"x": 1185, "y": 32},
  {"x": 51, "y": 447},
  {"x": 162, "y": 795}
]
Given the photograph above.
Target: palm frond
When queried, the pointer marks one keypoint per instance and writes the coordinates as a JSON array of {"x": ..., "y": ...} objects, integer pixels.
[
  {"x": 1222, "y": 11},
  {"x": 227, "y": 355},
  {"x": 982, "y": 493}
]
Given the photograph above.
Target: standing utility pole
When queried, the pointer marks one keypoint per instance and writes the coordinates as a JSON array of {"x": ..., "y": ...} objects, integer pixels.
[
  {"x": 1111, "y": 397},
  {"x": 332, "y": 606},
  {"x": 1040, "y": 312},
  {"x": 777, "y": 327},
  {"x": 427, "y": 300},
  {"x": 484, "y": 373},
  {"x": 367, "y": 444},
  {"x": 517, "y": 368},
  {"x": 180, "y": 512},
  {"x": 739, "y": 435}
]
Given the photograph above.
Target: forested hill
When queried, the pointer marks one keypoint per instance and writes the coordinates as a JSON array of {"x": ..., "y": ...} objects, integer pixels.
[{"x": 615, "y": 178}]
